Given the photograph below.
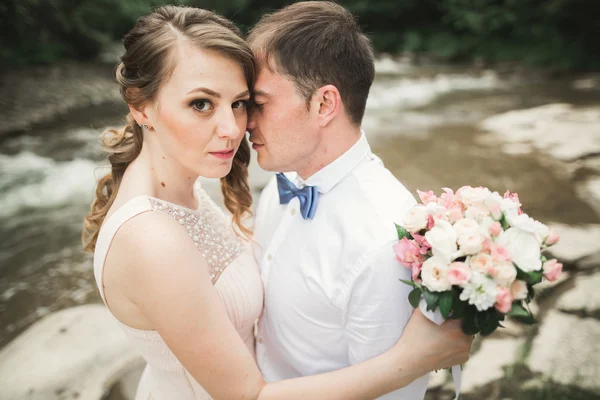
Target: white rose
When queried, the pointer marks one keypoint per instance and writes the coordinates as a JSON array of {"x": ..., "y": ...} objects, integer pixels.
[
  {"x": 476, "y": 213},
  {"x": 435, "y": 274},
  {"x": 442, "y": 238},
  {"x": 484, "y": 226},
  {"x": 541, "y": 231},
  {"x": 416, "y": 219},
  {"x": 506, "y": 273},
  {"x": 470, "y": 243},
  {"x": 510, "y": 208},
  {"x": 519, "y": 290},
  {"x": 466, "y": 225},
  {"x": 474, "y": 196},
  {"x": 436, "y": 211},
  {"x": 523, "y": 222},
  {"x": 493, "y": 204},
  {"x": 523, "y": 248}
]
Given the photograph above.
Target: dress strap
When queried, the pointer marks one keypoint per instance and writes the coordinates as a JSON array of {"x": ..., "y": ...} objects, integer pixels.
[{"x": 109, "y": 229}]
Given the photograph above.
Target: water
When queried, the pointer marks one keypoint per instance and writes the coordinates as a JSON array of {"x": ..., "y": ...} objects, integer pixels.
[{"x": 421, "y": 121}]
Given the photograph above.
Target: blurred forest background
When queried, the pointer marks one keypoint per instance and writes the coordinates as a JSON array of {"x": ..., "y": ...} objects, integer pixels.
[{"x": 560, "y": 34}]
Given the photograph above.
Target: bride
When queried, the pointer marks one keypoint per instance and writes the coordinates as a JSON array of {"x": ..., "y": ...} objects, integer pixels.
[{"x": 178, "y": 277}]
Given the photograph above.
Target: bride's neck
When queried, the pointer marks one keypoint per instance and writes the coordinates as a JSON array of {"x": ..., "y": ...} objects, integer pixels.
[{"x": 163, "y": 177}]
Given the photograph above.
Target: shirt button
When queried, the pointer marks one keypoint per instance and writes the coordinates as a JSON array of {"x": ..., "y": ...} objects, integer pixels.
[
  {"x": 270, "y": 257},
  {"x": 259, "y": 340},
  {"x": 293, "y": 211}
]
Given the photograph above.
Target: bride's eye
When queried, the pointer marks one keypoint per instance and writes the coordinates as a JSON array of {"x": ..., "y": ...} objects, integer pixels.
[
  {"x": 240, "y": 104},
  {"x": 202, "y": 105}
]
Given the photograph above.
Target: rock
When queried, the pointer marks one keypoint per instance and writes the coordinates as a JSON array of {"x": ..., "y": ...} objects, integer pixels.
[
  {"x": 127, "y": 385},
  {"x": 75, "y": 353},
  {"x": 589, "y": 191},
  {"x": 486, "y": 365},
  {"x": 567, "y": 350},
  {"x": 590, "y": 262},
  {"x": 575, "y": 242},
  {"x": 543, "y": 128},
  {"x": 437, "y": 379},
  {"x": 584, "y": 297}
]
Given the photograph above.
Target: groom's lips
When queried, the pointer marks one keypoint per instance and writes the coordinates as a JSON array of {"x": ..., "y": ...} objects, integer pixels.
[{"x": 255, "y": 145}]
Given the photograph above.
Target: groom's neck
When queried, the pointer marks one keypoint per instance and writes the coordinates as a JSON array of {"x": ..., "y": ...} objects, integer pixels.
[{"x": 335, "y": 141}]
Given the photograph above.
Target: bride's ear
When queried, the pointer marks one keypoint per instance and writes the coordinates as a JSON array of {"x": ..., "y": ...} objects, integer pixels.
[
  {"x": 141, "y": 113},
  {"x": 329, "y": 102}
]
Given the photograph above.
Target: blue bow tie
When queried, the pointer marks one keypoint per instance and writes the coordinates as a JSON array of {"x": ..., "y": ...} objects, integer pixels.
[{"x": 307, "y": 195}]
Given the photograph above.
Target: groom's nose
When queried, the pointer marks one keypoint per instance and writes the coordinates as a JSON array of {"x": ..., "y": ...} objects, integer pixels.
[{"x": 251, "y": 122}]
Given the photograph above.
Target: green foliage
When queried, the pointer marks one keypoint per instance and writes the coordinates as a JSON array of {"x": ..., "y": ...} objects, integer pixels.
[
  {"x": 562, "y": 33},
  {"x": 402, "y": 233}
]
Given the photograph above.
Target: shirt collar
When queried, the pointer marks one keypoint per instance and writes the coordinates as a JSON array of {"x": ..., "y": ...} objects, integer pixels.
[{"x": 330, "y": 175}]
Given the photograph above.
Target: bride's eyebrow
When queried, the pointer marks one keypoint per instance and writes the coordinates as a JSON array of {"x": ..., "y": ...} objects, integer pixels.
[
  {"x": 205, "y": 90},
  {"x": 216, "y": 94}
]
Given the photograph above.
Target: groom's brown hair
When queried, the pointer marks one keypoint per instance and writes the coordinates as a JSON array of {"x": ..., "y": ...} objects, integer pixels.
[{"x": 317, "y": 43}]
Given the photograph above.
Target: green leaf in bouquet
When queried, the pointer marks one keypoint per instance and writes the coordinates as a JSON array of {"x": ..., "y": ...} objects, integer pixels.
[
  {"x": 535, "y": 277},
  {"x": 459, "y": 307},
  {"x": 521, "y": 314},
  {"x": 414, "y": 297},
  {"x": 470, "y": 323},
  {"x": 432, "y": 299},
  {"x": 531, "y": 278},
  {"x": 402, "y": 233},
  {"x": 530, "y": 293},
  {"x": 411, "y": 283},
  {"x": 503, "y": 222},
  {"x": 446, "y": 300},
  {"x": 488, "y": 321}
]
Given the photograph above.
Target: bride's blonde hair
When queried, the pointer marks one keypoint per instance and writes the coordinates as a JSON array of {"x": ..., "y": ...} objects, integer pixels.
[{"x": 147, "y": 62}]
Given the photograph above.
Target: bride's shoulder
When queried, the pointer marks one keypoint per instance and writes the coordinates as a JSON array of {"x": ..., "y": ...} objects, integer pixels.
[{"x": 151, "y": 234}]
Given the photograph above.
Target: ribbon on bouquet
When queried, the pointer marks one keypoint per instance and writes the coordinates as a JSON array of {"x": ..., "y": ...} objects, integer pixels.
[{"x": 436, "y": 318}]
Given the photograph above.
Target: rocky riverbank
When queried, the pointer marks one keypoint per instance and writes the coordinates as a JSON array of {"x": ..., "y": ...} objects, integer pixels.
[
  {"x": 80, "y": 352},
  {"x": 41, "y": 96}
]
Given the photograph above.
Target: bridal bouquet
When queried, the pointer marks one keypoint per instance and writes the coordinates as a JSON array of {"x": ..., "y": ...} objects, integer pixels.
[{"x": 475, "y": 255}]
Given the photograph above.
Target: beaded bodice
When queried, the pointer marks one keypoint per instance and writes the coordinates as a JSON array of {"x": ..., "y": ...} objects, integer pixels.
[{"x": 208, "y": 228}]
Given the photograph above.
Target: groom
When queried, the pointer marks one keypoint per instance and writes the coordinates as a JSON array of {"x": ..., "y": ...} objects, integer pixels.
[{"x": 324, "y": 229}]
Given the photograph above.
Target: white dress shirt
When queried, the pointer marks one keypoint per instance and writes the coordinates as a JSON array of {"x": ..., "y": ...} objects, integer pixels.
[{"x": 332, "y": 292}]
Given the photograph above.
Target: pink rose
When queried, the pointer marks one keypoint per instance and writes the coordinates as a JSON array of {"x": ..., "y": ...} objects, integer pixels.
[
  {"x": 459, "y": 273},
  {"x": 552, "y": 238},
  {"x": 427, "y": 197},
  {"x": 514, "y": 197},
  {"x": 500, "y": 253},
  {"x": 415, "y": 269},
  {"x": 495, "y": 229},
  {"x": 430, "y": 222},
  {"x": 552, "y": 270},
  {"x": 422, "y": 242},
  {"x": 518, "y": 290},
  {"x": 407, "y": 252},
  {"x": 455, "y": 213},
  {"x": 503, "y": 299},
  {"x": 481, "y": 262}
]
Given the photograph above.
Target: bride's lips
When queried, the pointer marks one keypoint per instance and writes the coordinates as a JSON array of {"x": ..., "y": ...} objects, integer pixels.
[{"x": 223, "y": 155}]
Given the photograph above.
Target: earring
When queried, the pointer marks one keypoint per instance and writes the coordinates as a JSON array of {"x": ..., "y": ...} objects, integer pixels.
[{"x": 144, "y": 126}]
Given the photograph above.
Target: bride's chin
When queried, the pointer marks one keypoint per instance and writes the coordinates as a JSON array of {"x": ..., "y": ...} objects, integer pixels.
[{"x": 217, "y": 172}]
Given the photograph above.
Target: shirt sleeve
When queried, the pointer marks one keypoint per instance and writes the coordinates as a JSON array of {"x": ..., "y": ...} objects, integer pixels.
[{"x": 377, "y": 311}]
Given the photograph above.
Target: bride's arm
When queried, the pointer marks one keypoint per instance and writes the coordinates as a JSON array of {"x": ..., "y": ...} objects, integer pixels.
[{"x": 173, "y": 290}]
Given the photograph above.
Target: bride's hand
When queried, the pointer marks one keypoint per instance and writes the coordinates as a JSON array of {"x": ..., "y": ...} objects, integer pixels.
[{"x": 434, "y": 347}]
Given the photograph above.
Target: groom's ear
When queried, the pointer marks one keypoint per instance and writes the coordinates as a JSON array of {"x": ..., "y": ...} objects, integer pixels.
[{"x": 329, "y": 104}]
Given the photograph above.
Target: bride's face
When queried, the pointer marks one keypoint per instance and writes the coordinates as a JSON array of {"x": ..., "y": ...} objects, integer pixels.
[{"x": 200, "y": 113}]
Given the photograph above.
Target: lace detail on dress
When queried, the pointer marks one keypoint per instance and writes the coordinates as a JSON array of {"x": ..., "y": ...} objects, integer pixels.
[{"x": 209, "y": 230}]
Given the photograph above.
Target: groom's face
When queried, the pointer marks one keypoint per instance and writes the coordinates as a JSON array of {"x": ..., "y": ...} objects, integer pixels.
[{"x": 283, "y": 128}]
